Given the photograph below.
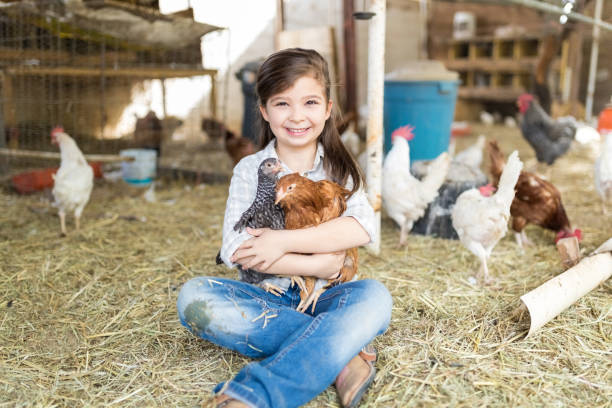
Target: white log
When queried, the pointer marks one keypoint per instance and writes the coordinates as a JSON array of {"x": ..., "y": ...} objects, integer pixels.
[
  {"x": 376, "y": 82},
  {"x": 554, "y": 296}
]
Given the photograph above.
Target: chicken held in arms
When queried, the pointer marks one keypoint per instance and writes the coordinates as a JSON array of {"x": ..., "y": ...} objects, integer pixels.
[
  {"x": 73, "y": 181},
  {"x": 405, "y": 198},
  {"x": 263, "y": 213},
  {"x": 603, "y": 172},
  {"x": 549, "y": 138},
  {"x": 536, "y": 201},
  {"x": 309, "y": 203},
  {"x": 481, "y": 219}
]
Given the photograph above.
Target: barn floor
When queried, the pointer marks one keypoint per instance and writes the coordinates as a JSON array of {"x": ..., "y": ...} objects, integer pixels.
[{"x": 90, "y": 319}]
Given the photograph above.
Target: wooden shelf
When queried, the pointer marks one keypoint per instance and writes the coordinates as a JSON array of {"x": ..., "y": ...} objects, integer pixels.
[{"x": 494, "y": 69}]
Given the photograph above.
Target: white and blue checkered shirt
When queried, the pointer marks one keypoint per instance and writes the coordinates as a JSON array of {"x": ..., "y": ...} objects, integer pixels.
[{"x": 243, "y": 187}]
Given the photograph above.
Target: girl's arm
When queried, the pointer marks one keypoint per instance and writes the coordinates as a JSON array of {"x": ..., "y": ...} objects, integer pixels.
[
  {"x": 324, "y": 266},
  {"x": 356, "y": 227}
]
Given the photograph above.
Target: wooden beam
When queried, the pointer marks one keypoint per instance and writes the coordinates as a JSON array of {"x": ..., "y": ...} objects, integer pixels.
[
  {"x": 104, "y": 158},
  {"x": 279, "y": 23},
  {"x": 350, "y": 59},
  {"x": 141, "y": 72}
]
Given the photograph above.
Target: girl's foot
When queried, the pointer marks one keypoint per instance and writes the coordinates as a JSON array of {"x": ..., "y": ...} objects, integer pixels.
[
  {"x": 225, "y": 401},
  {"x": 356, "y": 377}
]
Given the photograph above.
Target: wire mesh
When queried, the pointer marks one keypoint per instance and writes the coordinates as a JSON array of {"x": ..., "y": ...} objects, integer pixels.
[{"x": 59, "y": 68}]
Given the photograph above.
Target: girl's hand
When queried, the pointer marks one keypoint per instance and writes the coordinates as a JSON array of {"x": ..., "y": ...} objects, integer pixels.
[
  {"x": 330, "y": 264},
  {"x": 261, "y": 251}
]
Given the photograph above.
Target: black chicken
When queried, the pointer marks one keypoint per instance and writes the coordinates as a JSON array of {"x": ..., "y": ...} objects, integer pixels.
[
  {"x": 262, "y": 213},
  {"x": 549, "y": 138}
]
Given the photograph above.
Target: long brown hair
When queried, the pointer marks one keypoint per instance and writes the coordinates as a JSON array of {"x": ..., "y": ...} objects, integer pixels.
[{"x": 278, "y": 73}]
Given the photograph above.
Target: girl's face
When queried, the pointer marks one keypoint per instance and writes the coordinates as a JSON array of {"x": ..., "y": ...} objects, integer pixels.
[{"x": 298, "y": 114}]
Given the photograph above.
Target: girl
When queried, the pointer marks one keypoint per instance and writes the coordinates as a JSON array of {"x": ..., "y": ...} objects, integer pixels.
[{"x": 300, "y": 354}]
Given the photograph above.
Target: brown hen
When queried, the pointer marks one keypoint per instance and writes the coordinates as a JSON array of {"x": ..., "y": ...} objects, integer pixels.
[
  {"x": 536, "y": 201},
  {"x": 308, "y": 203}
]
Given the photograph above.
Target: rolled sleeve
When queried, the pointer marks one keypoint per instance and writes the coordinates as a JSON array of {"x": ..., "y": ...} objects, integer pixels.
[
  {"x": 359, "y": 208},
  {"x": 241, "y": 192}
]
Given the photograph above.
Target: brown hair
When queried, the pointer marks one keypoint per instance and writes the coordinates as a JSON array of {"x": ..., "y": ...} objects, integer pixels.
[{"x": 278, "y": 73}]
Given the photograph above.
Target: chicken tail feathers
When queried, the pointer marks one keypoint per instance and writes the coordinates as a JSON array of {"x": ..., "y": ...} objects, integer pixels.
[
  {"x": 509, "y": 177},
  {"x": 438, "y": 169},
  {"x": 497, "y": 160}
]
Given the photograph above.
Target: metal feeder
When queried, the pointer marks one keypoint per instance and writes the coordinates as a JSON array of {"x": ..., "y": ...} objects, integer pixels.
[{"x": 363, "y": 15}]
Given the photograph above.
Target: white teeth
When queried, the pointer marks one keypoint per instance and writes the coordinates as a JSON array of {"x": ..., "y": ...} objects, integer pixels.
[{"x": 297, "y": 130}]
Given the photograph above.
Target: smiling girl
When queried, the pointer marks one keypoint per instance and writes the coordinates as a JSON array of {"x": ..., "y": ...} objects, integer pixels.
[{"x": 300, "y": 354}]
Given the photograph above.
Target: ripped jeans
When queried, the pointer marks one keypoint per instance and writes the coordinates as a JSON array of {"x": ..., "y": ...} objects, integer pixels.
[{"x": 299, "y": 354}]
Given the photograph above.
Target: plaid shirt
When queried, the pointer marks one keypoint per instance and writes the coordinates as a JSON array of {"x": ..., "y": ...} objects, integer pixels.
[{"x": 242, "y": 192}]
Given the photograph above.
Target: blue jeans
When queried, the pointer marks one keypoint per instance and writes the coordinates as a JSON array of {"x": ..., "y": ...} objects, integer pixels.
[{"x": 300, "y": 354}]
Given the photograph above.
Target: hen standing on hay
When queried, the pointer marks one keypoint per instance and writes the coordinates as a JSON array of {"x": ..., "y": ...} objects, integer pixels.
[
  {"x": 73, "y": 180},
  {"x": 536, "y": 201},
  {"x": 308, "y": 203},
  {"x": 405, "y": 197},
  {"x": 481, "y": 219}
]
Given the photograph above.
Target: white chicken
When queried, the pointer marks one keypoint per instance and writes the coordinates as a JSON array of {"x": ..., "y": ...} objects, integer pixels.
[
  {"x": 405, "y": 198},
  {"x": 603, "y": 173},
  {"x": 73, "y": 180},
  {"x": 481, "y": 219},
  {"x": 351, "y": 140},
  {"x": 472, "y": 155}
]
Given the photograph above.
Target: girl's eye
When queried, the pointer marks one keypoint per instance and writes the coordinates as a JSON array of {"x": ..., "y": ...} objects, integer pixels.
[
  {"x": 312, "y": 102},
  {"x": 280, "y": 104}
]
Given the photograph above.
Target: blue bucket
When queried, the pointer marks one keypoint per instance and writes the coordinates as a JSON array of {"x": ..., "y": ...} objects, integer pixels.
[
  {"x": 141, "y": 171},
  {"x": 429, "y": 106}
]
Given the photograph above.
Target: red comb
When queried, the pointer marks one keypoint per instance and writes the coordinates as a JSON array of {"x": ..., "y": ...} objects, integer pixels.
[
  {"x": 565, "y": 234},
  {"x": 487, "y": 190},
  {"x": 57, "y": 129},
  {"x": 403, "y": 131}
]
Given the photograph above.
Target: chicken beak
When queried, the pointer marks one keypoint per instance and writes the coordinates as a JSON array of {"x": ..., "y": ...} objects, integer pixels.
[
  {"x": 280, "y": 194},
  {"x": 278, "y": 168}
]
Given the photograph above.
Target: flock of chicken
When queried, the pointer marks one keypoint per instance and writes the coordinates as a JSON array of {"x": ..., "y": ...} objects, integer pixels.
[{"x": 479, "y": 216}]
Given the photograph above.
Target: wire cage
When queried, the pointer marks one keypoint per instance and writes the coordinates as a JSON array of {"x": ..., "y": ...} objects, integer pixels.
[{"x": 80, "y": 64}]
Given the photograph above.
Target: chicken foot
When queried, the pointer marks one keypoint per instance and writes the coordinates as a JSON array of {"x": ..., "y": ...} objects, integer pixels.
[
  {"x": 522, "y": 240},
  {"x": 62, "y": 216},
  {"x": 311, "y": 299},
  {"x": 478, "y": 250},
  {"x": 273, "y": 289}
]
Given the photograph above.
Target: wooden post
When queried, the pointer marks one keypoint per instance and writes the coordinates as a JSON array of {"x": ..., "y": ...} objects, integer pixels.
[
  {"x": 575, "y": 64},
  {"x": 593, "y": 63},
  {"x": 164, "y": 106},
  {"x": 279, "y": 23},
  {"x": 376, "y": 82},
  {"x": 350, "y": 95},
  {"x": 213, "y": 95}
]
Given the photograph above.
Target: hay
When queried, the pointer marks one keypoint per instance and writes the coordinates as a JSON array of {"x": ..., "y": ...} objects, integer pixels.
[{"x": 90, "y": 319}]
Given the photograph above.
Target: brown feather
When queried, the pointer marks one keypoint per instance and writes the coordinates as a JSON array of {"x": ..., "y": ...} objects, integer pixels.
[
  {"x": 536, "y": 201},
  {"x": 308, "y": 203}
]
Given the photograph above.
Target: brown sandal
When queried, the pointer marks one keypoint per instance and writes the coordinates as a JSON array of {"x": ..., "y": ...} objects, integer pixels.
[
  {"x": 368, "y": 356},
  {"x": 225, "y": 401}
]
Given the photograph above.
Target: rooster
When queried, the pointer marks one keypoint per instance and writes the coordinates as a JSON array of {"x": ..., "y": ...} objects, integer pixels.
[
  {"x": 73, "y": 181},
  {"x": 548, "y": 137},
  {"x": 308, "y": 203},
  {"x": 603, "y": 173},
  {"x": 481, "y": 219},
  {"x": 536, "y": 201},
  {"x": 405, "y": 198}
]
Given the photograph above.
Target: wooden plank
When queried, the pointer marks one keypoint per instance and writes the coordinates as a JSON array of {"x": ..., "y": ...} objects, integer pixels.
[
  {"x": 350, "y": 59},
  {"x": 501, "y": 94},
  {"x": 141, "y": 72},
  {"x": 104, "y": 158}
]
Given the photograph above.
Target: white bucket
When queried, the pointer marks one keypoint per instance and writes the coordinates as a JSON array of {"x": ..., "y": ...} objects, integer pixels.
[{"x": 141, "y": 171}]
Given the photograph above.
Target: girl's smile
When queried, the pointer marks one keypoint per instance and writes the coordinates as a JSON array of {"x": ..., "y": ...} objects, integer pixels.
[{"x": 297, "y": 115}]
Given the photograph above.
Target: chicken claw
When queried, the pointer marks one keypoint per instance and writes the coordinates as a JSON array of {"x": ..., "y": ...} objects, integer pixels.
[
  {"x": 273, "y": 289},
  {"x": 299, "y": 281},
  {"x": 311, "y": 299}
]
